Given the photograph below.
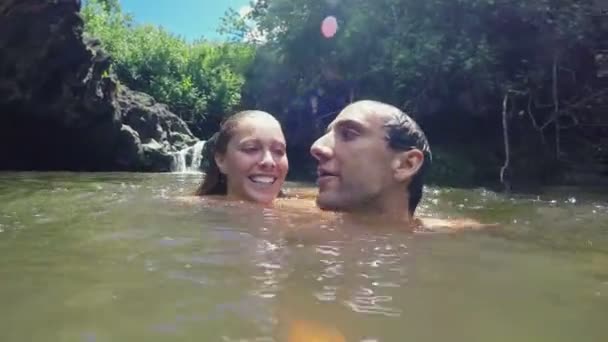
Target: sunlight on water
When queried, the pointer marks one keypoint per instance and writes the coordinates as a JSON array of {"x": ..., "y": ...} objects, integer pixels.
[{"x": 115, "y": 257}]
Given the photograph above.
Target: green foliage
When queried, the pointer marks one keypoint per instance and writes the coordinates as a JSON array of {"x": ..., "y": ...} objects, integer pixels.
[
  {"x": 200, "y": 81},
  {"x": 451, "y": 168},
  {"x": 403, "y": 49},
  {"x": 448, "y": 62},
  {"x": 462, "y": 165}
]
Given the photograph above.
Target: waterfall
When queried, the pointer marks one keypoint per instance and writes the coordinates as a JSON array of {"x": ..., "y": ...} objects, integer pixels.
[
  {"x": 179, "y": 161},
  {"x": 192, "y": 153},
  {"x": 197, "y": 155}
]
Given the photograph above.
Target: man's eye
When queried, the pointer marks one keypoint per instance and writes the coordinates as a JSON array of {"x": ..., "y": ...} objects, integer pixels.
[{"x": 348, "y": 134}]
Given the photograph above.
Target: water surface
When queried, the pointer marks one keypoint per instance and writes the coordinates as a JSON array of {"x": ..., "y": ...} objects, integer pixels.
[{"x": 115, "y": 257}]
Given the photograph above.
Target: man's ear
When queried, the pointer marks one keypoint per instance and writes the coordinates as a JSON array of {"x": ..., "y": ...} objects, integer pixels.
[
  {"x": 220, "y": 162},
  {"x": 407, "y": 164}
]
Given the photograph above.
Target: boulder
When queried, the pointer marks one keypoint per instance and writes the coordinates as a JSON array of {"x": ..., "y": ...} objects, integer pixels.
[{"x": 59, "y": 107}]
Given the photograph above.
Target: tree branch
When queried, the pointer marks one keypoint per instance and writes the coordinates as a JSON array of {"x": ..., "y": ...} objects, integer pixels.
[
  {"x": 505, "y": 132},
  {"x": 556, "y": 108},
  {"x": 581, "y": 103},
  {"x": 534, "y": 123}
]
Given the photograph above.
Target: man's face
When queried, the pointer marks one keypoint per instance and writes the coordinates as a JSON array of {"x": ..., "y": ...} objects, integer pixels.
[{"x": 354, "y": 169}]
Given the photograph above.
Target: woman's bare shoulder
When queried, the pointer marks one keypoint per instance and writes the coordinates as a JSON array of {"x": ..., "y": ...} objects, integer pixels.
[
  {"x": 188, "y": 199},
  {"x": 196, "y": 200},
  {"x": 300, "y": 193}
]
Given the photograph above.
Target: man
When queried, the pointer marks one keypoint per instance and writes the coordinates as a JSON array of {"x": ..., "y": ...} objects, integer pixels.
[{"x": 372, "y": 161}]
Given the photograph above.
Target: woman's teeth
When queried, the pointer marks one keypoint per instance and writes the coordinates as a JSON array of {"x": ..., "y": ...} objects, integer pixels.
[{"x": 262, "y": 179}]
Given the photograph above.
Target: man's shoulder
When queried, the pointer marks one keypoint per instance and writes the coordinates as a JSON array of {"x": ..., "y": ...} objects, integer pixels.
[{"x": 438, "y": 225}]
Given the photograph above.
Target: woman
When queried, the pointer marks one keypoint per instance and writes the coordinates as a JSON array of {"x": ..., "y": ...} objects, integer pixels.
[{"x": 246, "y": 160}]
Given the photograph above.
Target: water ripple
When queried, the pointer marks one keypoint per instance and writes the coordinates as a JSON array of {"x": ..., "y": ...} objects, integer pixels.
[{"x": 365, "y": 302}]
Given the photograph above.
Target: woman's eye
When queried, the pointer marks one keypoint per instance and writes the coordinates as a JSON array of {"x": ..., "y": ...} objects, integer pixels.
[
  {"x": 279, "y": 152},
  {"x": 250, "y": 149}
]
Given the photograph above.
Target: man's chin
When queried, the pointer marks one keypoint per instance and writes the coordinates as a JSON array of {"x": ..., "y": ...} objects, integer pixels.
[{"x": 327, "y": 203}]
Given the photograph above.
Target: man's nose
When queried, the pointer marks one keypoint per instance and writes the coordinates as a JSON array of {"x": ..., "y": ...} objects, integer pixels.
[{"x": 321, "y": 149}]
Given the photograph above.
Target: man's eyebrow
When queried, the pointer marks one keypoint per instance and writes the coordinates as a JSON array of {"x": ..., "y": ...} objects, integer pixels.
[{"x": 345, "y": 123}]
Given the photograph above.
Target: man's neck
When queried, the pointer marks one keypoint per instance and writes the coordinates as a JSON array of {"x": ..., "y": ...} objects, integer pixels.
[
  {"x": 389, "y": 211},
  {"x": 401, "y": 222}
]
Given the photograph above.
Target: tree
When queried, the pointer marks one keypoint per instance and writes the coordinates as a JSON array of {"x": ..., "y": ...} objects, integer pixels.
[
  {"x": 200, "y": 81},
  {"x": 449, "y": 63}
]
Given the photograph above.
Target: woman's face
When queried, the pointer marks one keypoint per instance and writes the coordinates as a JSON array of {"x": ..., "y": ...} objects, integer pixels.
[{"x": 255, "y": 162}]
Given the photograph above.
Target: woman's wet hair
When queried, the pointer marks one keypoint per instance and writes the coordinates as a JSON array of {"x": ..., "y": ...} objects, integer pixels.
[{"x": 214, "y": 182}]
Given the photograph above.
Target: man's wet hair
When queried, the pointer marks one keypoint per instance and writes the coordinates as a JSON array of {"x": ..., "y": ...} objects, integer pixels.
[{"x": 403, "y": 134}]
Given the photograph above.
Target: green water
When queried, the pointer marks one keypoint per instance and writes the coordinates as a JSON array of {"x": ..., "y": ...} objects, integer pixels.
[{"x": 114, "y": 257}]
